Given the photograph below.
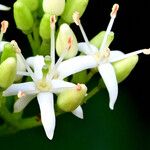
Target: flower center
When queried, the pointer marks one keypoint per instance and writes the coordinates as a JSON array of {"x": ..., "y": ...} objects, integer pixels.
[{"x": 43, "y": 86}]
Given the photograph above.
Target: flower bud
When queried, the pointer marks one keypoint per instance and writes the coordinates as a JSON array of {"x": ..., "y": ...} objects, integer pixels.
[
  {"x": 8, "y": 51},
  {"x": 7, "y": 72},
  {"x": 62, "y": 41},
  {"x": 73, "y": 6},
  {"x": 98, "y": 39},
  {"x": 124, "y": 67},
  {"x": 54, "y": 7},
  {"x": 31, "y": 4},
  {"x": 45, "y": 27},
  {"x": 70, "y": 99},
  {"x": 23, "y": 17}
]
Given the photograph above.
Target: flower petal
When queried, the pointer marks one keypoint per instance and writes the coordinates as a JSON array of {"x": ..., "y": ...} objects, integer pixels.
[
  {"x": 78, "y": 112},
  {"x": 83, "y": 47},
  {"x": 59, "y": 85},
  {"x": 74, "y": 65},
  {"x": 46, "y": 104},
  {"x": 36, "y": 63},
  {"x": 114, "y": 55},
  {"x": 27, "y": 87},
  {"x": 4, "y": 8},
  {"x": 22, "y": 102},
  {"x": 109, "y": 77}
]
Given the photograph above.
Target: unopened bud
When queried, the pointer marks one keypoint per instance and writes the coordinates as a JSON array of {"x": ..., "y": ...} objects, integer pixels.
[
  {"x": 98, "y": 39},
  {"x": 45, "y": 27},
  {"x": 70, "y": 99},
  {"x": 62, "y": 42},
  {"x": 31, "y": 4},
  {"x": 54, "y": 7},
  {"x": 7, "y": 72},
  {"x": 23, "y": 17},
  {"x": 73, "y": 6},
  {"x": 124, "y": 67}
]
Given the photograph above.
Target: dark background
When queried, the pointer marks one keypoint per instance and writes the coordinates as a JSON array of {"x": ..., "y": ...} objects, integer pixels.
[{"x": 128, "y": 126}]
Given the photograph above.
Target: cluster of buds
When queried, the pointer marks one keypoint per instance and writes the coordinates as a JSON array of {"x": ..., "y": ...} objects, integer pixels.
[{"x": 38, "y": 20}]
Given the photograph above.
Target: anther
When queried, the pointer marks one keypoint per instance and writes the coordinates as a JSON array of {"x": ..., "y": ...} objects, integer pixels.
[
  {"x": 114, "y": 11},
  {"x": 146, "y": 51},
  {"x": 76, "y": 18},
  {"x": 4, "y": 26},
  {"x": 15, "y": 45},
  {"x": 21, "y": 94}
]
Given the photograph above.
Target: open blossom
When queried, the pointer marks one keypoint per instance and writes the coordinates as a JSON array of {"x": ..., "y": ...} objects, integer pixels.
[{"x": 101, "y": 58}]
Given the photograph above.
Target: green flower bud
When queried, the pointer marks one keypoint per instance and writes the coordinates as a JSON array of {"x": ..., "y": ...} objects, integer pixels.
[
  {"x": 7, "y": 72},
  {"x": 45, "y": 27},
  {"x": 23, "y": 17},
  {"x": 31, "y": 4},
  {"x": 98, "y": 39},
  {"x": 54, "y": 7},
  {"x": 8, "y": 51},
  {"x": 70, "y": 99},
  {"x": 124, "y": 67},
  {"x": 73, "y": 6},
  {"x": 62, "y": 41}
]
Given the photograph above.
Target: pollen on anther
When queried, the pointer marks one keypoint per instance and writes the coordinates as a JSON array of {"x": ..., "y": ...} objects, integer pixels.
[
  {"x": 4, "y": 26},
  {"x": 76, "y": 18},
  {"x": 21, "y": 94},
  {"x": 114, "y": 11}
]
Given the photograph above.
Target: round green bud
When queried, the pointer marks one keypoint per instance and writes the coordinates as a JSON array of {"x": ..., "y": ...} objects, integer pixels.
[
  {"x": 7, "y": 72},
  {"x": 98, "y": 39},
  {"x": 124, "y": 67},
  {"x": 62, "y": 41},
  {"x": 31, "y": 4},
  {"x": 54, "y": 7},
  {"x": 45, "y": 27},
  {"x": 23, "y": 17},
  {"x": 70, "y": 99},
  {"x": 73, "y": 6}
]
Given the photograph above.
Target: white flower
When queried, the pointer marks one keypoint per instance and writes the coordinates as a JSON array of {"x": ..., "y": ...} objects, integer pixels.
[
  {"x": 100, "y": 58},
  {"x": 43, "y": 87},
  {"x": 4, "y": 8}
]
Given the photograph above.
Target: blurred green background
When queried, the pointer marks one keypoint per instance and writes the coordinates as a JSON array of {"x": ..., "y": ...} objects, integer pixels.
[{"x": 125, "y": 128}]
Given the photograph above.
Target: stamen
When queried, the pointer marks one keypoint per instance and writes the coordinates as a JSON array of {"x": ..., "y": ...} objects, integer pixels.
[
  {"x": 111, "y": 22},
  {"x": 144, "y": 51},
  {"x": 76, "y": 18},
  {"x": 52, "y": 52},
  {"x": 21, "y": 94},
  {"x": 4, "y": 26},
  {"x": 63, "y": 54},
  {"x": 18, "y": 50}
]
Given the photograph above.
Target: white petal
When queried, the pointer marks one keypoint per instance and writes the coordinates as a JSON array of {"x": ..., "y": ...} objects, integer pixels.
[
  {"x": 22, "y": 102},
  {"x": 27, "y": 87},
  {"x": 59, "y": 85},
  {"x": 46, "y": 104},
  {"x": 83, "y": 47},
  {"x": 4, "y": 8},
  {"x": 36, "y": 63},
  {"x": 78, "y": 112},
  {"x": 2, "y": 43},
  {"x": 114, "y": 55},
  {"x": 74, "y": 65},
  {"x": 109, "y": 77}
]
